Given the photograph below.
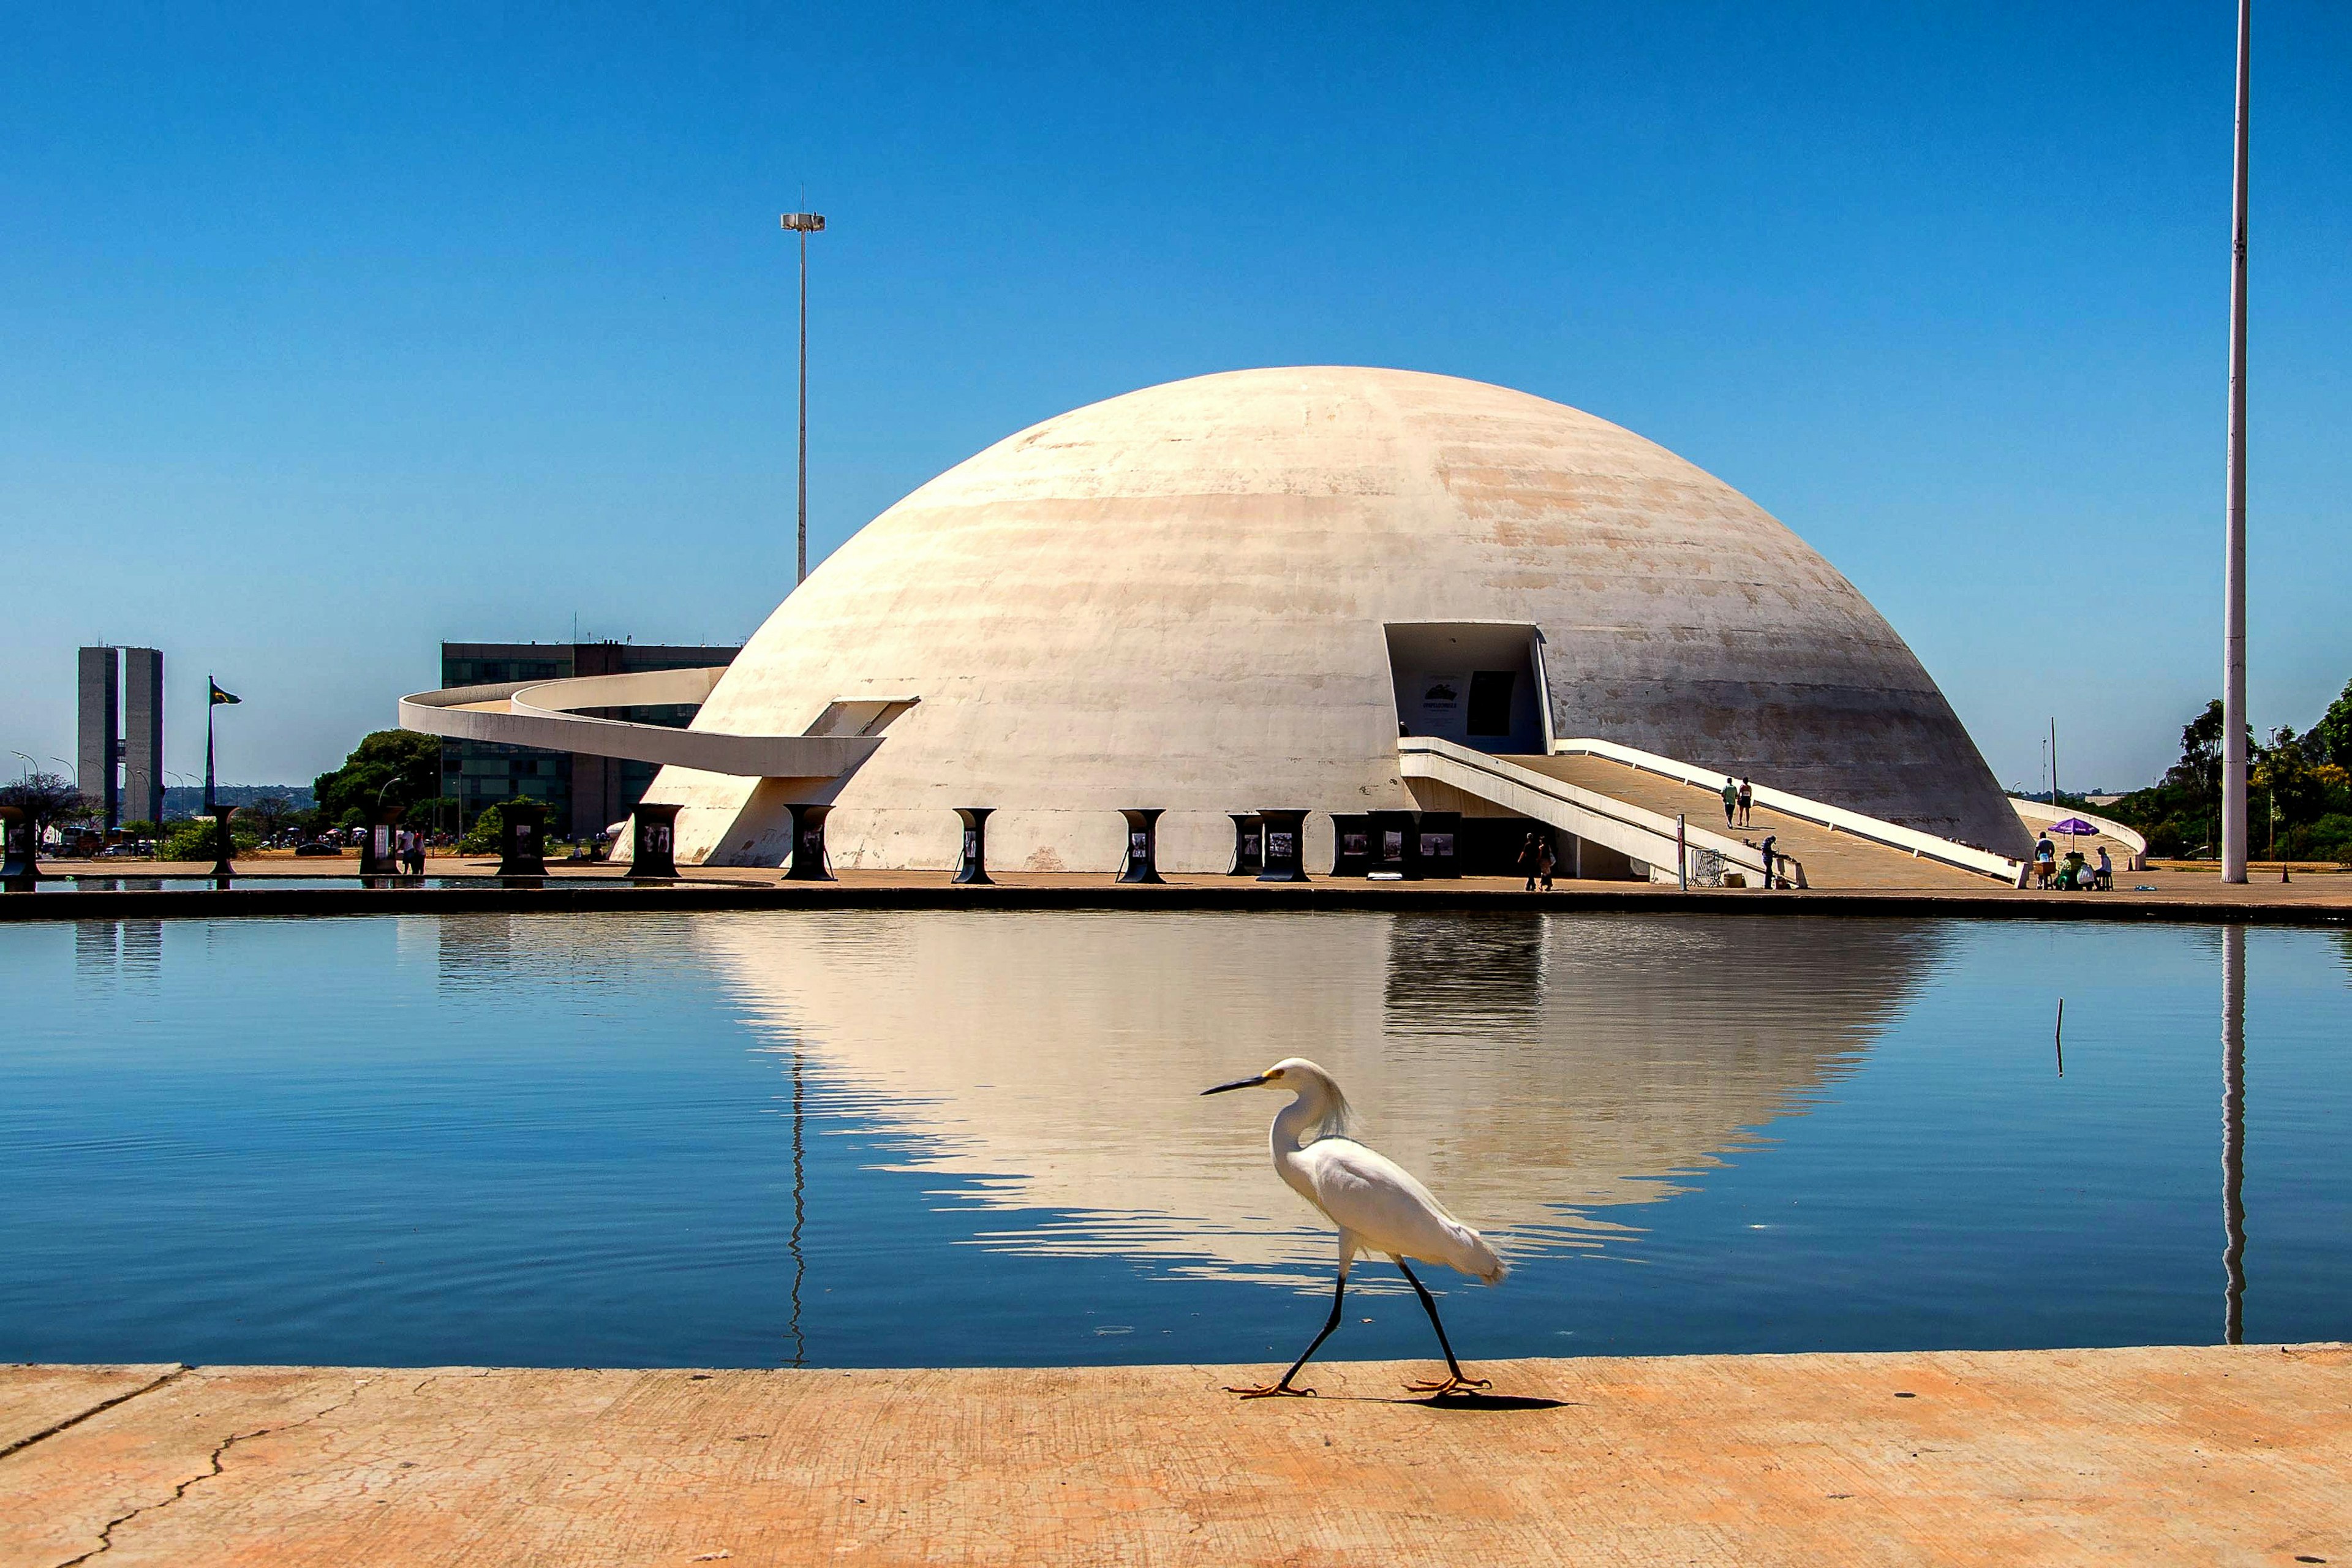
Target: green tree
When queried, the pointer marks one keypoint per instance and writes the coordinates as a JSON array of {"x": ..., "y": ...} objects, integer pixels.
[
  {"x": 268, "y": 812},
  {"x": 482, "y": 833},
  {"x": 437, "y": 812},
  {"x": 191, "y": 838},
  {"x": 2199, "y": 771},
  {"x": 2330, "y": 740},
  {"x": 2180, "y": 812},
  {"x": 45, "y": 798},
  {"x": 2286, "y": 787},
  {"x": 396, "y": 767}
]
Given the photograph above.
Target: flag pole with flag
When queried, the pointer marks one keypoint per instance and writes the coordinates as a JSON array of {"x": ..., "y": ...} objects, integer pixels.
[{"x": 218, "y": 696}]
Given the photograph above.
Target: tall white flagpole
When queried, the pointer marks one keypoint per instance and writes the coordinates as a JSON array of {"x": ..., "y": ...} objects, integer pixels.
[{"x": 2233, "y": 606}]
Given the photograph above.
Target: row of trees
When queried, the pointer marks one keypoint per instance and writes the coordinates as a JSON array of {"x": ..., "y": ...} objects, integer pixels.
[
  {"x": 402, "y": 768},
  {"x": 2299, "y": 790},
  {"x": 47, "y": 798},
  {"x": 388, "y": 768}
]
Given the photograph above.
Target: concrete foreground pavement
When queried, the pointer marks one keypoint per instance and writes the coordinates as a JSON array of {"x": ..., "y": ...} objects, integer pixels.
[{"x": 2208, "y": 1456}]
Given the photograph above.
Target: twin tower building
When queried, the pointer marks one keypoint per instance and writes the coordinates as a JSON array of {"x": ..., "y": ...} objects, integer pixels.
[{"x": 119, "y": 759}]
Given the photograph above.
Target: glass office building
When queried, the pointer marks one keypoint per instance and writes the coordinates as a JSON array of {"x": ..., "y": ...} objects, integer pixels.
[{"x": 582, "y": 793}]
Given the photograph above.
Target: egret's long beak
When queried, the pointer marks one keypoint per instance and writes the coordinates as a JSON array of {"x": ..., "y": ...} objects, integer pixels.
[{"x": 1238, "y": 1083}]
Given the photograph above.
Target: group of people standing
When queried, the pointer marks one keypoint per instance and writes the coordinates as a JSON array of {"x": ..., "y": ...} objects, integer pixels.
[
  {"x": 1738, "y": 803},
  {"x": 1536, "y": 858},
  {"x": 408, "y": 851}
]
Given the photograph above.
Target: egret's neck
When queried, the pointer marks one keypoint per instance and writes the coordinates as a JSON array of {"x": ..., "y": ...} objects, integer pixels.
[{"x": 1293, "y": 1120}]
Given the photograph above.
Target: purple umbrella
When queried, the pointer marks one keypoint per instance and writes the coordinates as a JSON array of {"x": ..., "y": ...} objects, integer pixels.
[{"x": 2071, "y": 826}]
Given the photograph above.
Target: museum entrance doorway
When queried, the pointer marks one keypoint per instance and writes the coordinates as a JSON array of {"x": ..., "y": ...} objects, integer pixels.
[{"x": 1476, "y": 683}]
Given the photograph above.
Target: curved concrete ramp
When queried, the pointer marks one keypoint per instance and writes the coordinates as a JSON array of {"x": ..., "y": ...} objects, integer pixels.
[
  {"x": 1831, "y": 858},
  {"x": 548, "y": 714},
  {"x": 1628, "y": 801}
]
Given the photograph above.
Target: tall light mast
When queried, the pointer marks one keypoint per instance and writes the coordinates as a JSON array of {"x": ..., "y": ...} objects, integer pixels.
[
  {"x": 2234, "y": 591},
  {"x": 805, "y": 225}
]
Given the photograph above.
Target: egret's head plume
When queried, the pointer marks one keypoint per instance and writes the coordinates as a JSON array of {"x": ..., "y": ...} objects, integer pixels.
[{"x": 1326, "y": 1106}]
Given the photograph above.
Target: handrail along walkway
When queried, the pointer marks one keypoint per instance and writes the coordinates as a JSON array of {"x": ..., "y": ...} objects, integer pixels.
[
  {"x": 1836, "y": 818},
  {"x": 1648, "y": 837}
]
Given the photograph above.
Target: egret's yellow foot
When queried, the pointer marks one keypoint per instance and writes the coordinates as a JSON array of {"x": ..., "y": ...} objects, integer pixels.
[
  {"x": 1271, "y": 1391},
  {"x": 1451, "y": 1385}
]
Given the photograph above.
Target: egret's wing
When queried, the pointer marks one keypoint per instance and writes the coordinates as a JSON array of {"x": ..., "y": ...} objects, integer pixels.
[{"x": 1370, "y": 1194}]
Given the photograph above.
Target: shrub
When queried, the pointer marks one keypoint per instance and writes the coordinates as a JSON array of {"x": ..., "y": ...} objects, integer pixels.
[
  {"x": 2329, "y": 839},
  {"x": 191, "y": 838},
  {"x": 482, "y": 836}
]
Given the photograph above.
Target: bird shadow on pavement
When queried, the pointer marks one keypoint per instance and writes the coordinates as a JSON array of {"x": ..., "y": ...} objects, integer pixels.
[
  {"x": 1467, "y": 1402},
  {"x": 1485, "y": 1402}
]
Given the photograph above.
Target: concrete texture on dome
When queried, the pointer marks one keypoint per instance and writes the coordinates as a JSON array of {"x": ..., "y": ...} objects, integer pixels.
[{"x": 1184, "y": 597}]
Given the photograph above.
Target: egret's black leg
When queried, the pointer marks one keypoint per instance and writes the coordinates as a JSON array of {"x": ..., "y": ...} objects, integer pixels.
[
  {"x": 1456, "y": 1379},
  {"x": 1338, "y": 1291}
]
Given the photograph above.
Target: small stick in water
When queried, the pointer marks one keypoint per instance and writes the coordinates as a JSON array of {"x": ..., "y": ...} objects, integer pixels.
[{"x": 2061, "y": 1037}]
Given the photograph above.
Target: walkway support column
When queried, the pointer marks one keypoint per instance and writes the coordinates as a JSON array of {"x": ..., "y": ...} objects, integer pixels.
[
  {"x": 973, "y": 868},
  {"x": 653, "y": 840},
  {"x": 808, "y": 845},
  {"x": 1142, "y": 845},
  {"x": 1285, "y": 846}
]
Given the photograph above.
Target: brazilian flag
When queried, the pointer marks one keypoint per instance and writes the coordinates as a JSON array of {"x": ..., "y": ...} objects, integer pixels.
[{"x": 219, "y": 696}]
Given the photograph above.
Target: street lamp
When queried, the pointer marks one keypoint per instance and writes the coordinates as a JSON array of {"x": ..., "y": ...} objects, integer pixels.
[{"x": 804, "y": 225}]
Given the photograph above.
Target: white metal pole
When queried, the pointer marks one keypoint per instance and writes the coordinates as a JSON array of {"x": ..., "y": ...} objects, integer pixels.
[
  {"x": 801, "y": 572},
  {"x": 2233, "y": 602}
]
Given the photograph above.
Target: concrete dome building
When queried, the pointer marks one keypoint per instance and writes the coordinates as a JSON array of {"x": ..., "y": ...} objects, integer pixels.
[{"x": 1236, "y": 592}]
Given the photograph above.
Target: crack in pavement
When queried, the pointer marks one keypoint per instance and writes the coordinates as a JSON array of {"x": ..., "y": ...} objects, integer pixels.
[
  {"x": 106, "y": 1536},
  {"x": 21, "y": 1444}
]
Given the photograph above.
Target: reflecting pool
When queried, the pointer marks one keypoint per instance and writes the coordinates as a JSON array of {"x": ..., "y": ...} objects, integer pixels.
[{"x": 849, "y": 1138}]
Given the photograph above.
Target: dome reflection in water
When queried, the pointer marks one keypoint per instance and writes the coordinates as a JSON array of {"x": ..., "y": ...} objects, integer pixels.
[
  {"x": 948, "y": 1138},
  {"x": 1548, "y": 1077}
]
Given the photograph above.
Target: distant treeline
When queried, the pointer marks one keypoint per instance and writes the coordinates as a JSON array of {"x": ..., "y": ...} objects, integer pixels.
[
  {"x": 186, "y": 800},
  {"x": 2299, "y": 791}
]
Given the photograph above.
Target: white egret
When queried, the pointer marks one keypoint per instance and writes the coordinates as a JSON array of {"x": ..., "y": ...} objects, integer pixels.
[{"x": 1375, "y": 1202}]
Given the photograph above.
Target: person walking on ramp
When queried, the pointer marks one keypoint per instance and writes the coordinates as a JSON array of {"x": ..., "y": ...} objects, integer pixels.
[{"x": 1730, "y": 802}]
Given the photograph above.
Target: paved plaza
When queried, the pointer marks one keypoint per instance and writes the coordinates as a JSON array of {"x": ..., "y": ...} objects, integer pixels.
[{"x": 2213, "y": 1456}]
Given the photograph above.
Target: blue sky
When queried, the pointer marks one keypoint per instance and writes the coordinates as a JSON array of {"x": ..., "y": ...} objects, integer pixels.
[{"x": 327, "y": 333}]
